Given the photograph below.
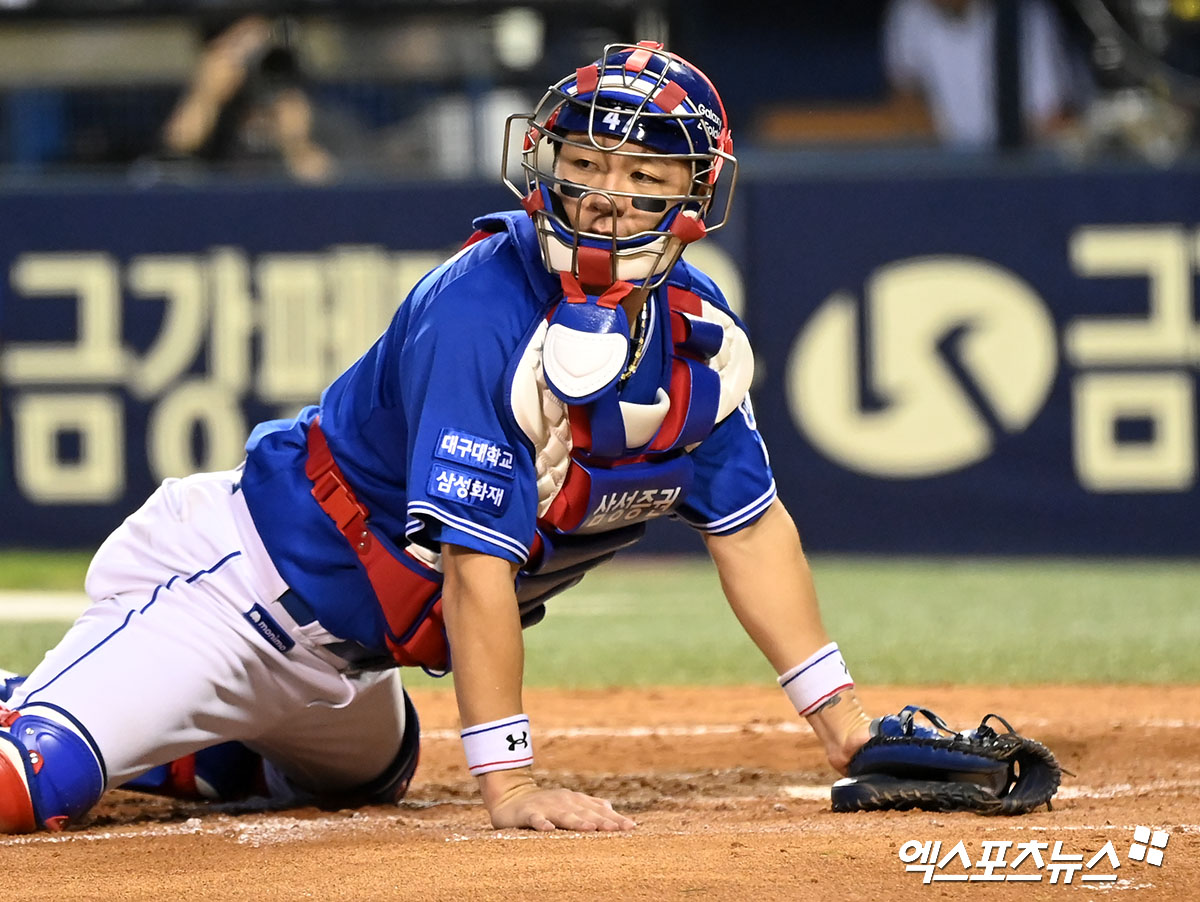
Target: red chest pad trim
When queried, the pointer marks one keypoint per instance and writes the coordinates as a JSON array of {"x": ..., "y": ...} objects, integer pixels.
[{"x": 695, "y": 388}]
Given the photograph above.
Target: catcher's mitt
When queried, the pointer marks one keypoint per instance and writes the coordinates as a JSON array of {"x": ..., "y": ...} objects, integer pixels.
[{"x": 909, "y": 765}]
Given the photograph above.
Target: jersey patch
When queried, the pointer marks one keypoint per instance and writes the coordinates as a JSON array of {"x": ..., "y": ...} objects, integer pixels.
[
  {"x": 269, "y": 628},
  {"x": 458, "y": 485},
  {"x": 618, "y": 508},
  {"x": 481, "y": 453}
]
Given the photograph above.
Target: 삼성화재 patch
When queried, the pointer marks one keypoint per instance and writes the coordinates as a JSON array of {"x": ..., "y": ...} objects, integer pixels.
[{"x": 471, "y": 489}]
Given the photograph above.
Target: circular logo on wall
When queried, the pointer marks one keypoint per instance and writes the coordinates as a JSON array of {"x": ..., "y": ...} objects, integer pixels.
[{"x": 942, "y": 355}]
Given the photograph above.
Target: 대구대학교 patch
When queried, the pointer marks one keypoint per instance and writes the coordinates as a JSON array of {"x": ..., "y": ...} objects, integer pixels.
[{"x": 484, "y": 454}]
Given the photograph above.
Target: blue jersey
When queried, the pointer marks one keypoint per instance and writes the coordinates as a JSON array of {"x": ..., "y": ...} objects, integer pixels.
[{"x": 444, "y": 433}]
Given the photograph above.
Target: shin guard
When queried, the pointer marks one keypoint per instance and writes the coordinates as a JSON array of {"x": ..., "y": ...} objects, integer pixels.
[
  {"x": 227, "y": 772},
  {"x": 50, "y": 771},
  {"x": 9, "y": 682}
]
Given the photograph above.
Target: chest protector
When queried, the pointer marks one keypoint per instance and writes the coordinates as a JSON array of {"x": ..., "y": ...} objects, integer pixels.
[
  {"x": 627, "y": 462},
  {"x": 621, "y": 464},
  {"x": 614, "y": 466}
]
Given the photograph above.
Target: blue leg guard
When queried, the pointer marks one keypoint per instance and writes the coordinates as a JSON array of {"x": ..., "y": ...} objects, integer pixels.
[
  {"x": 221, "y": 773},
  {"x": 230, "y": 772},
  {"x": 50, "y": 770},
  {"x": 8, "y": 685}
]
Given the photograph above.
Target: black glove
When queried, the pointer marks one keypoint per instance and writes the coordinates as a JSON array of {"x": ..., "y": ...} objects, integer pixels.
[{"x": 909, "y": 765}]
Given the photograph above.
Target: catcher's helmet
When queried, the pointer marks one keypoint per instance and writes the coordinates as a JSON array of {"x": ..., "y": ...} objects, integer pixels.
[{"x": 652, "y": 102}]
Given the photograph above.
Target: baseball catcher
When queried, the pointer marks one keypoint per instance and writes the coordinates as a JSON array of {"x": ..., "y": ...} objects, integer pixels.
[
  {"x": 906, "y": 764},
  {"x": 537, "y": 399}
]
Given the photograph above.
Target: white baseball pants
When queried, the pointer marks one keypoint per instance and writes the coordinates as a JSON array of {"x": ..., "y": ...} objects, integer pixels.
[{"x": 175, "y": 653}]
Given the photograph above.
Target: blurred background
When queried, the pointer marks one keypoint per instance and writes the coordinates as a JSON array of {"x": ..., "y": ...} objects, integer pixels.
[
  {"x": 411, "y": 89},
  {"x": 965, "y": 240}
]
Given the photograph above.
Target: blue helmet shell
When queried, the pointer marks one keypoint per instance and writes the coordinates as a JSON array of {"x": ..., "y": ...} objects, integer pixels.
[{"x": 645, "y": 95}]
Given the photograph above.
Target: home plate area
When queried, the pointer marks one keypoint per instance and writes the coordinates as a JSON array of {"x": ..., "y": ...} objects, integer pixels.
[{"x": 731, "y": 795}]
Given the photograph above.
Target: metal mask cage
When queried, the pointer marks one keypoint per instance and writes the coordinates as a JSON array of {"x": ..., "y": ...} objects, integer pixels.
[
  {"x": 713, "y": 184},
  {"x": 620, "y": 98}
]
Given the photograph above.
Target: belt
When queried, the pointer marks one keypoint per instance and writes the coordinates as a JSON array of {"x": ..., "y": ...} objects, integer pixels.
[
  {"x": 354, "y": 653},
  {"x": 297, "y": 608}
]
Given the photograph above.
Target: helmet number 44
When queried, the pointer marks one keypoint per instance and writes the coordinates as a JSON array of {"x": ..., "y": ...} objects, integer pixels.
[{"x": 613, "y": 120}]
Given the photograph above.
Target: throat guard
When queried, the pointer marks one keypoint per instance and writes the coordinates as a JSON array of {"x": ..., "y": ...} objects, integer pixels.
[{"x": 587, "y": 343}]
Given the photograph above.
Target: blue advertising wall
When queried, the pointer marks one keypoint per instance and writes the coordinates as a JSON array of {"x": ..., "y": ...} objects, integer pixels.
[
  {"x": 1000, "y": 363},
  {"x": 995, "y": 364}
]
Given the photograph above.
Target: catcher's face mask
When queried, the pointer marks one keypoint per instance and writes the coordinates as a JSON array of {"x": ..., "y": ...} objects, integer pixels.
[{"x": 638, "y": 103}]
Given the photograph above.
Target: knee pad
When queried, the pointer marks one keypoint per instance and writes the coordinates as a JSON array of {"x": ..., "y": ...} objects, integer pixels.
[{"x": 51, "y": 772}]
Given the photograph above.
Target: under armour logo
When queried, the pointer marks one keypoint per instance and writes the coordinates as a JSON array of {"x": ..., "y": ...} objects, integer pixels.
[{"x": 523, "y": 742}]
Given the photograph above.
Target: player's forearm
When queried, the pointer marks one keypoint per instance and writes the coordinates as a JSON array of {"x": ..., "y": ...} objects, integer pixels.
[
  {"x": 484, "y": 629},
  {"x": 767, "y": 581},
  {"x": 486, "y": 648},
  {"x": 190, "y": 125}
]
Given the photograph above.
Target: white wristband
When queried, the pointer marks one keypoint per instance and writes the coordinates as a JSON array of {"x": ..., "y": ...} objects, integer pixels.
[
  {"x": 818, "y": 679},
  {"x": 501, "y": 744}
]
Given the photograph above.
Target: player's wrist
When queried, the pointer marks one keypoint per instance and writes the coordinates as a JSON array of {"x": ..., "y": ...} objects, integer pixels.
[
  {"x": 498, "y": 745},
  {"x": 813, "y": 682},
  {"x": 822, "y": 691},
  {"x": 500, "y": 754},
  {"x": 842, "y": 726}
]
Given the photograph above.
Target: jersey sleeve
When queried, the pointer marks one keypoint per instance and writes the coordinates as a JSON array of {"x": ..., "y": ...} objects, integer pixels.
[
  {"x": 733, "y": 482},
  {"x": 471, "y": 477}
]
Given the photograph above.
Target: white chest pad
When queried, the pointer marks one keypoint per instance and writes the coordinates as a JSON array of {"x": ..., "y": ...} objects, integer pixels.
[{"x": 543, "y": 417}]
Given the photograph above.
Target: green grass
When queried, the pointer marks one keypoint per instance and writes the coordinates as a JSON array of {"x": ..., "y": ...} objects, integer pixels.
[
  {"x": 1015, "y": 621},
  {"x": 22, "y": 644},
  {"x": 646, "y": 621},
  {"x": 58, "y": 571}
]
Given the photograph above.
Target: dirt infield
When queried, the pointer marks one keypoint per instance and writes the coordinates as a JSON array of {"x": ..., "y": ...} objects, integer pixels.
[{"x": 731, "y": 795}]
